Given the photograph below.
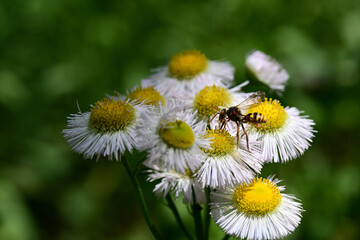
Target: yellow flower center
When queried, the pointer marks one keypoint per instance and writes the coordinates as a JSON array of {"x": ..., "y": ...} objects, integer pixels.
[
  {"x": 273, "y": 112},
  {"x": 187, "y": 64},
  {"x": 222, "y": 143},
  {"x": 189, "y": 173},
  {"x": 257, "y": 198},
  {"x": 110, "y": 115},
  {"x": 149, "y": 96},
  {"x": 177, "y": 134},
  {"x": 210, "y": 98}
]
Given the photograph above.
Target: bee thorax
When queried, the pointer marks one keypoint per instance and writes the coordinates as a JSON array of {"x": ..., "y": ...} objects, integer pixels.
[{"x": 233, "y": 113}]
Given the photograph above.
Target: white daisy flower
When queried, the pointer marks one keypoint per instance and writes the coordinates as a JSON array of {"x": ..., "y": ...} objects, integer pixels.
[
  {"x": 267, "y": 70},
  {"x": 177, "y": 183},
  {"x": 188, "y": 70},
  {"x": 227, "y": 163},
  {"x": 285, "y": 135},
  {"x": 174, "y": 139},
  {"x": 110, "y": 128},
  {"x": 256, "y": 210}
]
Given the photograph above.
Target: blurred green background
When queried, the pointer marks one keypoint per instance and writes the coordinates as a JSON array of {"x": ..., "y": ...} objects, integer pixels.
[{"x": 54, "y": 53}]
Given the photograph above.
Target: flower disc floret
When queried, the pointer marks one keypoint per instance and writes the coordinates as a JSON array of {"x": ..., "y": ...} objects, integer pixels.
[
  {"x": 187, "y": 64},
  {"x": 259, "y": 197},
  {"x": 148, "y": 95},
  {"x": 110, "y": 115},
  {"x": 275, "y": 114},
  {"x": 210, "y": 98},
  {"x": 178, "y": 134},
  {"x": 222, "y": 143},
  {"x": 189, "y": 173}
]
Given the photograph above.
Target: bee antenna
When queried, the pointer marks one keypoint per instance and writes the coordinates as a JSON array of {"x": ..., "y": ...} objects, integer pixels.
[{"x": 213, "y": 118}]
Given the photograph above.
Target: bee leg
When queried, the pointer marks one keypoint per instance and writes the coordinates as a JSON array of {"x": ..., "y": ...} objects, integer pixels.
[
  {"x": 213, "y": 118},
  {"x": 237, "y": 135},
  {"x": 227, "y": 120},
  {"x": 247, "y": 138},
  {"x": 223, "y": 124}
]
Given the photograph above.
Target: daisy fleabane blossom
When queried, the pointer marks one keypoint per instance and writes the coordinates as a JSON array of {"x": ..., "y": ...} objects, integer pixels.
[
  {"x": 285, "y": 135},
  {"x": 110, "y": 128},
  {"x": 189, "y": 70},
  {"x": 256, "y": 210},
  {"x": 174, "y": 138},
  {"x": 228, "y": 163},
  {"x": 267, "y": 70},
  {"x": 178, "y": 183}
]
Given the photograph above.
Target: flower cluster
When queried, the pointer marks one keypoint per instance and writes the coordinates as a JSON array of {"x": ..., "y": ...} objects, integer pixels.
[{"x": 203, "y": 134}]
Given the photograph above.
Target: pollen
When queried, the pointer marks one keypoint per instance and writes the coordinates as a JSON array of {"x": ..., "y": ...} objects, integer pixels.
[
  {"x": 148, "y": 95},
  {"x": 222, "y": 143},
  {"x": 259, "y": 197},
  {"x": 273, "y": 113},
  {"x": 178, "y": 134},
  {"x": 210, "y": 98},
  {"x": 109, "y": 115},
  {"x": 187, "y": 64}
]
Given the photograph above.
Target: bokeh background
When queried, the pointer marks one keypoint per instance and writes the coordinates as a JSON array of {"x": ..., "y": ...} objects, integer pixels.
[{"x": 55, "y": 53}]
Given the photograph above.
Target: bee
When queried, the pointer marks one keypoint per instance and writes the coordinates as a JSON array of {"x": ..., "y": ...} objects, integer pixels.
[{"x": 234, "y": 114}]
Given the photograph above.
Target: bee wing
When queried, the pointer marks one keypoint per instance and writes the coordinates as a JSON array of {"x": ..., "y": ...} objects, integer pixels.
[{"x": 255, "y": 98}]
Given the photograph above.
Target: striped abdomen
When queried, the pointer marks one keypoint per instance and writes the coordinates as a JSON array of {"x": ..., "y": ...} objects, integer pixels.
[{"x": 255, "y": 118}]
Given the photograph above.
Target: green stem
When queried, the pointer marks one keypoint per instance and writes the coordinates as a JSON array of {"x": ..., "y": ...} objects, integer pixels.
[
  {"x": 140, "y": 196},
  {"x": 196, "y": 209},
  {"x": 226, "y": 237},
  {"x": 177, "y": 216},
  {"x": 207, "y": 214},
  {"x": 139, "y": 164}
]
